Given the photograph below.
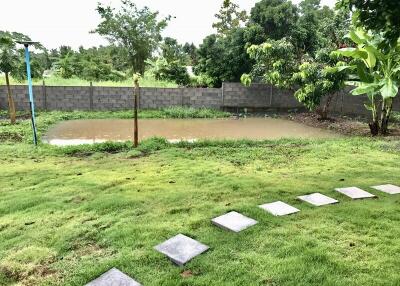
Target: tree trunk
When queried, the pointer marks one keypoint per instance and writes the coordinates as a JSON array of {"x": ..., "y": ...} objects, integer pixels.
[
  {"x": 11, "y": 104},
  {"x": 374, "y": 125},
  {"x": 135, "y": 110},
  {"x": 323, "y": 112},
  {"x": 385, "y": 116}
]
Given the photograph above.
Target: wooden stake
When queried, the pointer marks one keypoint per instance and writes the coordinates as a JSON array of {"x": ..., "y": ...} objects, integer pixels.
[
  {"x": 11, "y": 104},
  {"x": 135, "y": 110}
]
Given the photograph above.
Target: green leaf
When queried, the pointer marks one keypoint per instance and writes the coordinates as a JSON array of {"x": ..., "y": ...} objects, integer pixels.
[
  {"x": 363, "y": 73},
  {"x": 375, "y": 52},
  {"x": 395, "y": 70},
  {"x": 353, "y": 53},
  {"x": 365, "y": 88},
  {"x": 389, "y": 89},
  {"x": 371, "y": 59},
  {"x": 342, "y": 68},
  {"x": 368, "y": 107},
  {"x": 354, "y": 37},
  {"x": 353, "y": 83}
]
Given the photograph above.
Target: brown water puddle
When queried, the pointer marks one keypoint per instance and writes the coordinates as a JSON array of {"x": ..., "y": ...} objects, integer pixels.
[{"x": 100, "y": 130}]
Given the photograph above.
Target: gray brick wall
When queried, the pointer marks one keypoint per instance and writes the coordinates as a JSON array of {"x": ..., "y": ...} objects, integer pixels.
[{"x": 231, "y": 95}]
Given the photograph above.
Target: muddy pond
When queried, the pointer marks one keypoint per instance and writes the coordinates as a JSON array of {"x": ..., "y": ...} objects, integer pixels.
[{"x": 77, "y": 132}]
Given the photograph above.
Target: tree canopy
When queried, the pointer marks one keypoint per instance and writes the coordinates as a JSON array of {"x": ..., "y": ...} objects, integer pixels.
[
  {"x": 277, "y": 18},
  {"x": 299, "y": 59},
  {"x": 138, "y": 31},
  {"x": 229, "y": 18},
  {"x": 223, "y": 59},
  {"x": 378, "y": 15}
]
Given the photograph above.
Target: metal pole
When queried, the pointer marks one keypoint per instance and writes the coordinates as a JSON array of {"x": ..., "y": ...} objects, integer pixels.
[{"x": 30, "y": 90}]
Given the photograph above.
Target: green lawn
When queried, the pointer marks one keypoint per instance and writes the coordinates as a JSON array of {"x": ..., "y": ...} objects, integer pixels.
[
  {"x": 147, "y": 81},
  {"x": 64, "y": 219}
]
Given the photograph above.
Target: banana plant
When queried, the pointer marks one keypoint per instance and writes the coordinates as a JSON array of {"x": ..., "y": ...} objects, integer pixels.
[{"x": 374, "y": 71}]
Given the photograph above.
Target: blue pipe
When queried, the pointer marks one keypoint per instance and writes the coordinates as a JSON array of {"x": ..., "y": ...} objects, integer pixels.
[{"x": 30, "y": 91}]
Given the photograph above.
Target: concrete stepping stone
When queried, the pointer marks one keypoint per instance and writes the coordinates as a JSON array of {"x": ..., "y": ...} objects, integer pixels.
[
  {"x": 318, "y": 199},
  {"x": 113, "y": 277},
  {"x": 355, "y": 193},
  {"x": 234, "y": 221},
  {"x": 181, "y": 249},
  {"x": 279, "y": 208},
  {"x": 389, "y": 189}
]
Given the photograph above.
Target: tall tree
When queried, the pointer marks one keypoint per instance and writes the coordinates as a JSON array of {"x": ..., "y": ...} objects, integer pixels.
[
  {"x": 229, "y": 18},
  {"x": 138, "y": 31},
  {"x": 300, "y": 60}
]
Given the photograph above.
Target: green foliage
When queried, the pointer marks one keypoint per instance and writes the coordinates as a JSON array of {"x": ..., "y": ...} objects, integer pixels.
[
  {"x": 276, "y": 17},
  {"x": 223, "y": 58},
  {"x": 189, "y": 112},
  {"x": 174, "y": 71},
  {"x": 375, "y": 71},
  {"x": 12, "y": 57},
  {"x": 296, "y": 54},
  {"x": 8, "y": 54},
  {"x": 54, "y": 80},
  {"x": 316, "y": 80},
  {"x": 229, "y": 18},
  {"x": 378, "y": 15},
  {"x": 92, "y": 65},
  {"x": 191, "y": 53},
  {"x": 172, "y": 51},
  {"x": 308, "y": 26},
  {"x": 275, "y": 62},
  {"x": 171, "y": 64},
  {"x": 137, "y": 31}
]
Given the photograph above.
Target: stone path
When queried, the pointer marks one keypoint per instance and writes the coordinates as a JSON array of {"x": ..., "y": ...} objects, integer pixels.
[
  {"x": 389, "y": 189},
  {"x": 181, "y": 249},
  {"x": 234, "y": 221},
  {"x": 355, "y": 193},
  {"x": 113, "y": 277},
  {"x": 318, "y": 199},
  {"x": 279, "y": 208}
]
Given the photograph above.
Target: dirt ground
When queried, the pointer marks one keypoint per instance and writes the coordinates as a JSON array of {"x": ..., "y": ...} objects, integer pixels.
[{"x": 342, "y": 124}]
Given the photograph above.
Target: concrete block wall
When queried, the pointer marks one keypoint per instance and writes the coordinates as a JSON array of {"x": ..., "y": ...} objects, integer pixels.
[
  {"x": 231, "y": 95},
  {"x": 258, "y": 96}
]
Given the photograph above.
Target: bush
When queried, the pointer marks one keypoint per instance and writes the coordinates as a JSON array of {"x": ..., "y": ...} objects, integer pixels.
[{"x": 161, "y": 69}]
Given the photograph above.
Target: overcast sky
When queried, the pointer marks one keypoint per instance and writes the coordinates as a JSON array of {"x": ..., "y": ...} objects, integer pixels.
[{"x": 68, "y": 22}]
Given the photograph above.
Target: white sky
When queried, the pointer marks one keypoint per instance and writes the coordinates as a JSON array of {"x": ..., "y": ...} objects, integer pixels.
[{"x": 68, "y": 22}]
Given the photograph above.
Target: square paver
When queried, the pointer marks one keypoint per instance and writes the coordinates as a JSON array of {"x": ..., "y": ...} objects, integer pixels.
[
  {"x": 234, "y": 221},
  {"x": 113, "y": 277},
  {"x": 181, "y": 249},
  {"x": 279, "y": 208},
  {"x": 389, "y": 189},
  {"x": 318, "y": 199},
  {"x": 355, "y": 193}
]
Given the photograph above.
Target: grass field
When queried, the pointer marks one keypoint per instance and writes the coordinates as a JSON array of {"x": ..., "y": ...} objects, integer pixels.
[
  {"x": 65, "y": 219},
  {"x": 147, "y": 81}
]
